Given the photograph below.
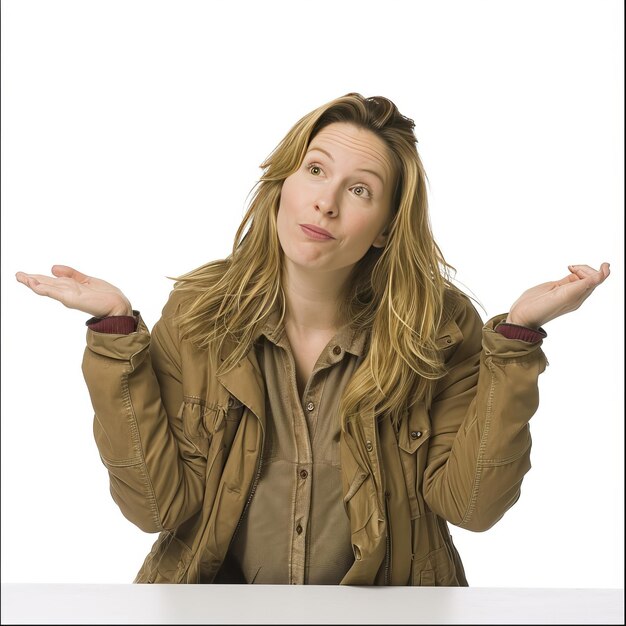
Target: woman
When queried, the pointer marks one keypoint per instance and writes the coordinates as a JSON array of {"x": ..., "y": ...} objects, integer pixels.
[{"x": 317, "y": 407}]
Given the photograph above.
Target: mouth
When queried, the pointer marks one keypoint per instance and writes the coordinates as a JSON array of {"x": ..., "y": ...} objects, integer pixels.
[{"x": 315, "y": 232}]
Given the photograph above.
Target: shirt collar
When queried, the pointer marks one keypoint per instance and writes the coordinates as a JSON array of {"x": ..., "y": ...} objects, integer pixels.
[{"x": 348, "y": 339}]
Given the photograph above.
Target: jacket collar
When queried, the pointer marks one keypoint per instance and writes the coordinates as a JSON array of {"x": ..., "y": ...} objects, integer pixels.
[{"x": 245, "y": 382}]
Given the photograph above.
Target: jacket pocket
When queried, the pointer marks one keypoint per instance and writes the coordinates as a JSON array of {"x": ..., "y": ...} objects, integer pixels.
[
  {"x": 167, "y": 562},
  {"x": 199, "y": 421},
  {"x": 366, "y": 525},
  {"x": 413, "y": 438},
  {"x": 360, "y": 500},
  {"x": 436, "y": 569},
  {"x": 357, "y": 480}
]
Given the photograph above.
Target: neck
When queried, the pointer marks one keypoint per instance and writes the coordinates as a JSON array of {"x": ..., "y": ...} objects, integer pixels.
[{"x": 312, "y": 299}]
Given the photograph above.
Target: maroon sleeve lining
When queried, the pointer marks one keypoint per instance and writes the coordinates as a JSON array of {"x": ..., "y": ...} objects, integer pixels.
[
  {"x": 513, "y": 331},
  {"x": 115, "y": 325}
]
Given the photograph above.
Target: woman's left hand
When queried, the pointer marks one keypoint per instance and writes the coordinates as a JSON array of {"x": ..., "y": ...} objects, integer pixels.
[{"x": 543, "y": 303}]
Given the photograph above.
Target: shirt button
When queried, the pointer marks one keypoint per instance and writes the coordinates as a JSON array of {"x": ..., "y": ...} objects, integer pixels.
[
  {"x": 369, "y": 446},
  {"x": 416, "y": 434},
  {"x": 336, "y": 350},
  {"x": 310, "y": 406},
  {"x": 299, "y": 529},
  {"x": 303, "y": 473}
]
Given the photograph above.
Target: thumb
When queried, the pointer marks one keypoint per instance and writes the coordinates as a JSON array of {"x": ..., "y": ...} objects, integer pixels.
[{"x": 65, "y": 271}]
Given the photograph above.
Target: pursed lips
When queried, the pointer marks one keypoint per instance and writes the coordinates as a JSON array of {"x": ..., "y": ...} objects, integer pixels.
[{"x": 315, "y": 233}]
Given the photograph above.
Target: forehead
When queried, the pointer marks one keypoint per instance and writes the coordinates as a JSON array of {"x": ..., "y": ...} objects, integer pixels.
[{"x": 359, "y": 146}]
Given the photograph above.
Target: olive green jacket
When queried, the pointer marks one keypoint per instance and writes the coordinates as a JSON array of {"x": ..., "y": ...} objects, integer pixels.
[{"x": 183, "y": 447}]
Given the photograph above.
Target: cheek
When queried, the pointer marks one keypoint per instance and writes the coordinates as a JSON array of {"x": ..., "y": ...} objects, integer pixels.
[
  {"x": 285, "y": 207},
  {"x": 290, "y": 203},
  {"x": 365, "y": 228},
  {"x": 288, "y": 194}
]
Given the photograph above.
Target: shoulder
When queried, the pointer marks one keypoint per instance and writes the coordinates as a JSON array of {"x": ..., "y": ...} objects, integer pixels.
[
  {"x": 177, "y": 301},
  {"x": 191, "y": 287},
  {"x": 461, "y": 321}
]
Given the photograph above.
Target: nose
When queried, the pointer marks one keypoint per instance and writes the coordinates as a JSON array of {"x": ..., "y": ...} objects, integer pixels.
[{"x": 327, "y": 203}]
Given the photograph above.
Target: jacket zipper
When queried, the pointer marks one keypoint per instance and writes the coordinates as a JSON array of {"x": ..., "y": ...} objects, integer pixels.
[
  {"x": 388, "y": 545},
  {"x": 255, "y": 482}
]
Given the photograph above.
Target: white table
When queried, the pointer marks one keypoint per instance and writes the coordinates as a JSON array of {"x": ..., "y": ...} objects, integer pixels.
[{"x": 276, "y": 604}]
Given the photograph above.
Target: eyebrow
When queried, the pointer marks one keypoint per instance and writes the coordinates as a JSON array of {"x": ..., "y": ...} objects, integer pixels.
[{"x": 330, "y": 156}]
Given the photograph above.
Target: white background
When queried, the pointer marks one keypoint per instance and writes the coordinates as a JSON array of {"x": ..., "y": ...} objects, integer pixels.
[{"x": 132, "y": 133}]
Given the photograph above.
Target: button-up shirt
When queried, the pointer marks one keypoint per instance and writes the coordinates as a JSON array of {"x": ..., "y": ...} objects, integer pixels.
[{"x": 296, "y": 530}]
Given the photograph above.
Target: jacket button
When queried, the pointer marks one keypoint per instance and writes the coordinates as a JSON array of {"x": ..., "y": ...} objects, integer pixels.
[
  {"x": 416, "y": 434},
  {"x": 299, "y": 529},
  {"x": 303, "y": 473},
  {"x": 310, "y": 406},
  {"x": 336, "y": 350},
  {"x": 230, "y": 402},
  {"x": 368, "y": 446}
]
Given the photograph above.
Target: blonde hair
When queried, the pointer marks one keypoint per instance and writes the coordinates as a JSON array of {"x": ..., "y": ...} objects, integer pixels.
[{"x": 395, "y": 294}]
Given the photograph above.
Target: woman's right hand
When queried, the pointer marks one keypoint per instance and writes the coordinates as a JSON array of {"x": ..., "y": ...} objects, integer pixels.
[{"x": 78, "y": 291}]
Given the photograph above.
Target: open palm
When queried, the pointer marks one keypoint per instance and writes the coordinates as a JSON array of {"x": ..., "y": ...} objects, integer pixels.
[
  {"x": 78, "y": 291},
  {"x": 538, "y": 305}
]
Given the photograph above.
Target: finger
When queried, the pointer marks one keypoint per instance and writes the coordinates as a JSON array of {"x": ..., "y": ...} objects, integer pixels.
[
  {"x": 21, "y": 277},
  {"x": 65, "y": 271},
  {"x": 589, "y": 276},
  {"x": 28, "y": 279},
  {"x": 52, "y": 291},
  {"x": 605, "y": 268},
  {"x": 581, "y": 270},
  {"x": 41, "y": 278},
  {"x": 40, "y": 288}
]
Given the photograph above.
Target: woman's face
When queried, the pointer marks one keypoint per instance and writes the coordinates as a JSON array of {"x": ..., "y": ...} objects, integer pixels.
[{"x": 344, "y": 186}]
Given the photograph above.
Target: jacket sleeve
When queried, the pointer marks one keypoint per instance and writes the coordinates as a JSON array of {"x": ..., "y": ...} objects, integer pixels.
[
  {"x": 135, "y": 382},
  {"x": 480, "y": 440}
]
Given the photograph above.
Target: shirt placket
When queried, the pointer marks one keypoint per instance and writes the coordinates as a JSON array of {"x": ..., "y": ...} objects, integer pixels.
[
  {"x": 302, "y": 491},
  {"x": 305, "y": 415}
]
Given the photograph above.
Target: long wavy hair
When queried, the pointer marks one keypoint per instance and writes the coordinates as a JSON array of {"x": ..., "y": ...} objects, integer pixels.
[{"x": 395, "y": 294}]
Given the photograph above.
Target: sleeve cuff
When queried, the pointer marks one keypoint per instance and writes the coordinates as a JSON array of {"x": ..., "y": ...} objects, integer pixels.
[
  {"x": 115, "y": 325},
  {"x": 513, "y": 331}
]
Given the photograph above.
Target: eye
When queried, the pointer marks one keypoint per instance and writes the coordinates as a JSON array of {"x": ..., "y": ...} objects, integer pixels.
[
  {"x": 315, "y": 170},
  {"x": 361, "y": 191}
]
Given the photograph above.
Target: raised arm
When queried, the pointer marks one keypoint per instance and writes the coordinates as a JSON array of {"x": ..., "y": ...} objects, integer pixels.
[
  {"x": 135, "y": 384},
  {"x": 480, "y": 442}
]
